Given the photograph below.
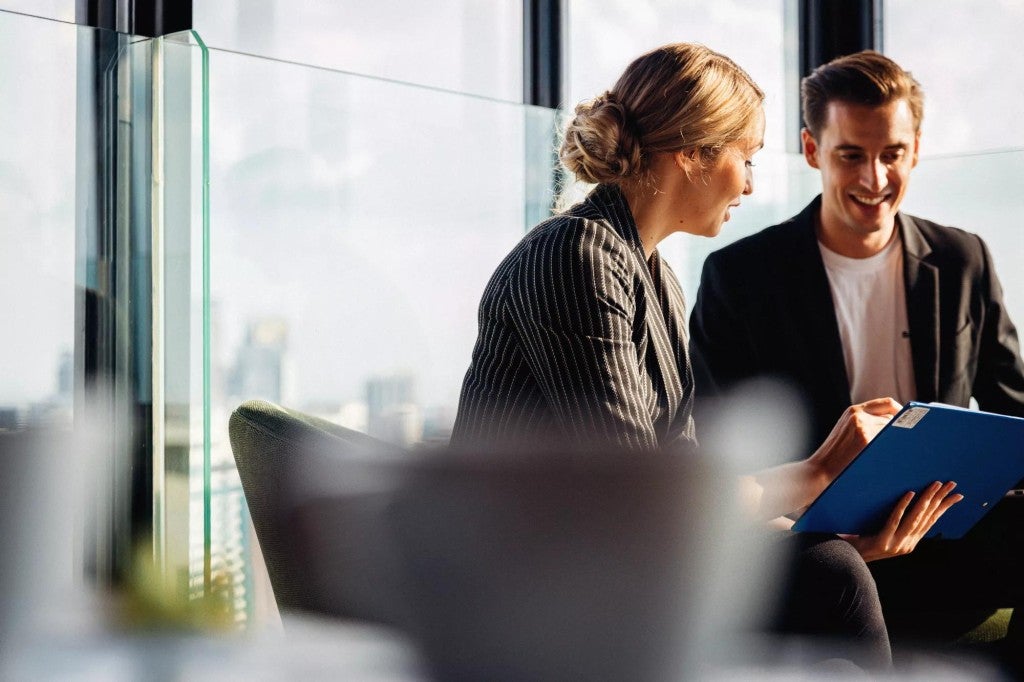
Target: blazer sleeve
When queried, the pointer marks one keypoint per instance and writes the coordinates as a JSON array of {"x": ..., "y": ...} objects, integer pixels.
[
  {"x": 574, "y": 304},
  {"x": 720, "y": 347},
  {"x": 999, "y": 381}
]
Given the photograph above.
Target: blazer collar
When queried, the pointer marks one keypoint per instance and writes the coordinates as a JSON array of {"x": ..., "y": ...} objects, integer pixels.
[
  {"x": 921, "y": 280},
  {"x": 608, "y": 202}
]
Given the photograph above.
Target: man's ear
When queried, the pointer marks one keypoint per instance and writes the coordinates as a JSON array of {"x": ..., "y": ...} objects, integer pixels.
[
  {"x": 917, "y": 145},
  {"x": 810, "y": 146}
]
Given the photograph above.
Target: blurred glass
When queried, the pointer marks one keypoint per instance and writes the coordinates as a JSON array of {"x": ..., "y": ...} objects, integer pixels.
[
  {"x": 604, "y": 36},
  {"x": 459, "y": 45},
  {"x": 972, "y": 79}
]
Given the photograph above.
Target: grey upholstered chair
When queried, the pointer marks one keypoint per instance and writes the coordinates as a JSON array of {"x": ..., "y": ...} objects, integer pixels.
[{"x": 321, "y": 539}]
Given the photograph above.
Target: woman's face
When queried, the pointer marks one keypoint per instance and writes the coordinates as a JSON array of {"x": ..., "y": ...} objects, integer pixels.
[{"x": 723, "y": 183}]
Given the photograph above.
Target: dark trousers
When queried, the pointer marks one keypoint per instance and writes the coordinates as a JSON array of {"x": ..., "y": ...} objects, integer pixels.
[
  {"x": 829, "y": 599},
  {"x": 944, "y": 588}
]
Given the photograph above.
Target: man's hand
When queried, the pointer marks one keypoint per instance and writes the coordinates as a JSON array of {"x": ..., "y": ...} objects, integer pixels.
[{"x": 901, "y": 534}]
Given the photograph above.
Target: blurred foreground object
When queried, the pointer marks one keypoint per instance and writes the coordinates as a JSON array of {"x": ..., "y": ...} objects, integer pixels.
[
  {"x": 40, "y": 507},
  {"x": 540, "y": 566}
]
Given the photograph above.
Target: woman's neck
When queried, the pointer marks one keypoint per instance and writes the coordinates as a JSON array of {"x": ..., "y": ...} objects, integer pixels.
[{"x": 651, "y": 215}]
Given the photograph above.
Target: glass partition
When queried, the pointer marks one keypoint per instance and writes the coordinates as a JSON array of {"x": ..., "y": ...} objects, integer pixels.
[
  {"x": 459, "y": 45},
  {"x": 974, "y": 93},
  {"x": 354, "y": 224},
  {"x": 100, "y": 246},
  {"x": 37, "y": 221},
  {"x": 603, "y": 37},
  {"x": 61, "y": 10}
]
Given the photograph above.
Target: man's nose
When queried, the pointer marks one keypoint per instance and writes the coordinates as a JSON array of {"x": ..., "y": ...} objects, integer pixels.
[{"x": 874, "y": 175}]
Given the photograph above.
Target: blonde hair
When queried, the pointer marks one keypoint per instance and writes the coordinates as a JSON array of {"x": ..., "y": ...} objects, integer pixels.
[{"x": 680, "y": 96}]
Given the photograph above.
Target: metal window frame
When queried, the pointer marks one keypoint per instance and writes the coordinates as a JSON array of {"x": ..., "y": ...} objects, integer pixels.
[
  {"x": 544, "y": 41},
  {"x": 832, "y": 28},
  {"x": 149, "y": 18}
]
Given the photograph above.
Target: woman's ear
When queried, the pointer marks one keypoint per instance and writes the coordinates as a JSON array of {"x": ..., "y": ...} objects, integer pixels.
[{"x": 688, "y": 161}]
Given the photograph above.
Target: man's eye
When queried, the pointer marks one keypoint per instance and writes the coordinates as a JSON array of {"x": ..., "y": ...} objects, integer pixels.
[
  {"x": 750, "y": 164},
  {"x": 849, "y": 157}
]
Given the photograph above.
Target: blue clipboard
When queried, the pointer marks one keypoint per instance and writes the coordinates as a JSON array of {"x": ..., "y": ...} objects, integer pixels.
[{"x": 924, "y": 443}]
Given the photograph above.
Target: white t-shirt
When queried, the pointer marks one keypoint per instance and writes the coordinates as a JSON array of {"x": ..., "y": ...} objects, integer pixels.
[{"x": 871, "y": 309}]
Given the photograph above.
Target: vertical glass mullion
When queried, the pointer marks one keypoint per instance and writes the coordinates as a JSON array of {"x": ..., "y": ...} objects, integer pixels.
[{"x": 180, "y": 239}]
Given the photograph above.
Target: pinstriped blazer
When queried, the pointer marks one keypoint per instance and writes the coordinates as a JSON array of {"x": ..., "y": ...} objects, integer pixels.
[{"x": 581, "y": 342}]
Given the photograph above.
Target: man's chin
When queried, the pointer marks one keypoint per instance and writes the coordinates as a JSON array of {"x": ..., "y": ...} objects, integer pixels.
[{"x": 870, "y": 222}]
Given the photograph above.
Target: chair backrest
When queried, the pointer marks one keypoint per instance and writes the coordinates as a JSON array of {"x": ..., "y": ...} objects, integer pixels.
[{"x": 269, "y": 443}]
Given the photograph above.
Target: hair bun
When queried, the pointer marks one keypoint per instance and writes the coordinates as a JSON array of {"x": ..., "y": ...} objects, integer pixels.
[{"x": 601, "y": 143}]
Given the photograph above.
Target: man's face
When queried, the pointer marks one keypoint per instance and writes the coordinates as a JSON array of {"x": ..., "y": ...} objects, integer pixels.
[{"x": 865, "y": 155}]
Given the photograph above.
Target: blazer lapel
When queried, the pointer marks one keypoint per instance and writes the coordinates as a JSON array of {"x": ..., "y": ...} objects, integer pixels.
[
  {"x": 814, "y": 309},
  {"x": 661, "y": 311},
  {"x": 922, "y": 286},
  {"x": 608, "y": 202}
]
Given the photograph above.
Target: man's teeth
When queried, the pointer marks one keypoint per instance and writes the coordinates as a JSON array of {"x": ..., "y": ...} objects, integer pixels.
[{"x": 870, "y": 201}]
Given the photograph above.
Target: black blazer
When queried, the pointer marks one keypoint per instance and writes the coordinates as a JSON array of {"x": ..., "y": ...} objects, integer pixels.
[
  {"x": 581, "y": 342},
  {"x": 764, "y": 307}
]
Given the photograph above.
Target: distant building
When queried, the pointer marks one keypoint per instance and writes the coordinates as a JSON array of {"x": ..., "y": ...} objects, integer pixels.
[
  {"x": 392, "y": 412},
  {"x": 262, "y": 368}
]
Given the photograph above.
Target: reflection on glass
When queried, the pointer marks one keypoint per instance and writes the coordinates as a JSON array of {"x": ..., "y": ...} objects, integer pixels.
[{"x": 460, "y": 45}]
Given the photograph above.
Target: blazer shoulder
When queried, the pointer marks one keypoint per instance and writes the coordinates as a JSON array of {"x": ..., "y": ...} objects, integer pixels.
[
  {"x": 568, "y": 247},
  {"x": 574, "y": 235},
  {"x": 762, "y": 249},
  {"x": 951, "y": 246}
]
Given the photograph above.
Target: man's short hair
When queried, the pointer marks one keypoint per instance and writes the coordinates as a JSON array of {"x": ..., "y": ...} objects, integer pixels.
[{"x": 866, "y": 78}]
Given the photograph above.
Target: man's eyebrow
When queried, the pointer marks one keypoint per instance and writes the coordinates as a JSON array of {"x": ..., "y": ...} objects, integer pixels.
[{"x": 856, "y": 148}]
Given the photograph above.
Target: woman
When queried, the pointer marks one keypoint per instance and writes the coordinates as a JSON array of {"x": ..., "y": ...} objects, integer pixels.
[{"x": 582, "y": 339}]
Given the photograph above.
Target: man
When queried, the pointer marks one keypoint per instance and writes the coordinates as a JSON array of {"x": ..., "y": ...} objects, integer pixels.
[{"x": 851, "y": 299}]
